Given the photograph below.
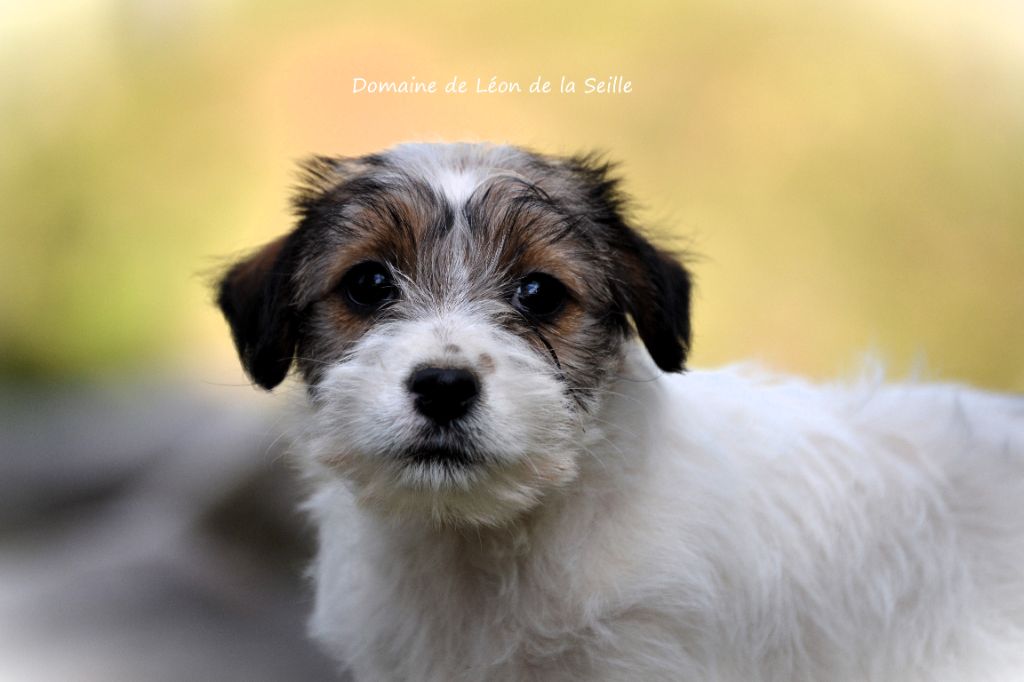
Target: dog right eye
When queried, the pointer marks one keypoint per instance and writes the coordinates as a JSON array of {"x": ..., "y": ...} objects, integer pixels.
[
  {"x": 540, "y": 296},
  {"x": 367, "y": 287}
]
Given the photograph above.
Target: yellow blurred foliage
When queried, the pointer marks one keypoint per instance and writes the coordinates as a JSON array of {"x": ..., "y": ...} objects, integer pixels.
[{"x": 848, "y": 175}]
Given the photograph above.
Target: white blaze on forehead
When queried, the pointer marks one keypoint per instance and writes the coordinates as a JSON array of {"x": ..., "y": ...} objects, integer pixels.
[
  {"x": 457, "y": 185},
  {"x": 455, "y": 170}
]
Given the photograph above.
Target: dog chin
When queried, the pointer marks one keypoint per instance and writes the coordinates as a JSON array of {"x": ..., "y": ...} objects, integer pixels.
[{"x": 445, "y": 486}]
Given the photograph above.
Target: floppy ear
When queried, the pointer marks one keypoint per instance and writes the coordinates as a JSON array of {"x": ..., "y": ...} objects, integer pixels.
[
  {"x": 255, "y": 297},
  {"x": 650, "y": 285},
  {"x": 655, "y": 291}
]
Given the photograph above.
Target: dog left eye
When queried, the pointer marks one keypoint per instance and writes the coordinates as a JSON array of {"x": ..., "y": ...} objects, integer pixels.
[{"x": 539, "y": 295}]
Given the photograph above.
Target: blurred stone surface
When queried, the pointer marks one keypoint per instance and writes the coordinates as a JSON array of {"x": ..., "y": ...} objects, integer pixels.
[{"x": 148, "y": 531}]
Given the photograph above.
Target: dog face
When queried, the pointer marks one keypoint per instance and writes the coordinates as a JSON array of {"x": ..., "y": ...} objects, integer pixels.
[{"x": 455, "y": 311}]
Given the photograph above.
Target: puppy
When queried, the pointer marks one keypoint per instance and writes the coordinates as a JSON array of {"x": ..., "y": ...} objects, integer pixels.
[{"x": 515, "y": 480}]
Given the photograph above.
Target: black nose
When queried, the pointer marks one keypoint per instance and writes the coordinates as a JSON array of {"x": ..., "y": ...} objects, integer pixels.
[{"x": 443, "y": 394}]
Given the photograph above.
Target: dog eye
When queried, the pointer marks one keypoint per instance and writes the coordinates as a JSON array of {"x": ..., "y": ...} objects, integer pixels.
[
  {"x": 368, "y": 286},
  {"x": 539, "y": 295}
]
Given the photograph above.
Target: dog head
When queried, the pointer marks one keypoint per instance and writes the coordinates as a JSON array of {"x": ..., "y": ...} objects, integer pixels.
[{"x": 455, "y": 312}]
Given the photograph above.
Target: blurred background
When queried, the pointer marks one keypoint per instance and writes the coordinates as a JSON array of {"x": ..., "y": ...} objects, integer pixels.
[{"x": 848, "y": 175}]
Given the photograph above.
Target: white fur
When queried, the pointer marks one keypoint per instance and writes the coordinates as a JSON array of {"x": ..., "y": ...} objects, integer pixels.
[
  {"x": 458, "y": 186},
  {"x": 715, "y": 525}
]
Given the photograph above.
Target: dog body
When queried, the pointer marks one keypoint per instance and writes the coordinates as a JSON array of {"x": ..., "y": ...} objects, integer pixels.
[
  {"x": 721, "y": 527},
  {"x": 510, "y": 486}
]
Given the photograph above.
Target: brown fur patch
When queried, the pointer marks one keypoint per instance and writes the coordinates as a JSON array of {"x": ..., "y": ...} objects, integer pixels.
[
  {"x": 485, "y": 363},
  {"x": 527, "y": 213}
]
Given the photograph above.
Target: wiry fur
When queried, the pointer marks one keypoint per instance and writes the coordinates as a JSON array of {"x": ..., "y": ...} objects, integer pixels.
[{"x": 606, "y": 520}]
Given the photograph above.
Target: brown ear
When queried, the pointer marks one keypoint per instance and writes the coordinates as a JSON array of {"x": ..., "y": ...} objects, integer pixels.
[
  {"x": 650, "y": 286},
  {"x": 255, "y": 297},
  {"x": 655, "y": 290}
]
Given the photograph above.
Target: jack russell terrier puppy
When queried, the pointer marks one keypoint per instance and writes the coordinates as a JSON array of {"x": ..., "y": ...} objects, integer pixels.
[{"x": 516, "y": 480}]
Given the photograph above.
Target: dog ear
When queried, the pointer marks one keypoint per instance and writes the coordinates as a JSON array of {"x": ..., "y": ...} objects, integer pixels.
[
  {"x": 257, "y": 293},
  {"x": 255, "y": 297},
  {"x": 649, "y": 285},
  {"x": 655, "y": 290}
]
